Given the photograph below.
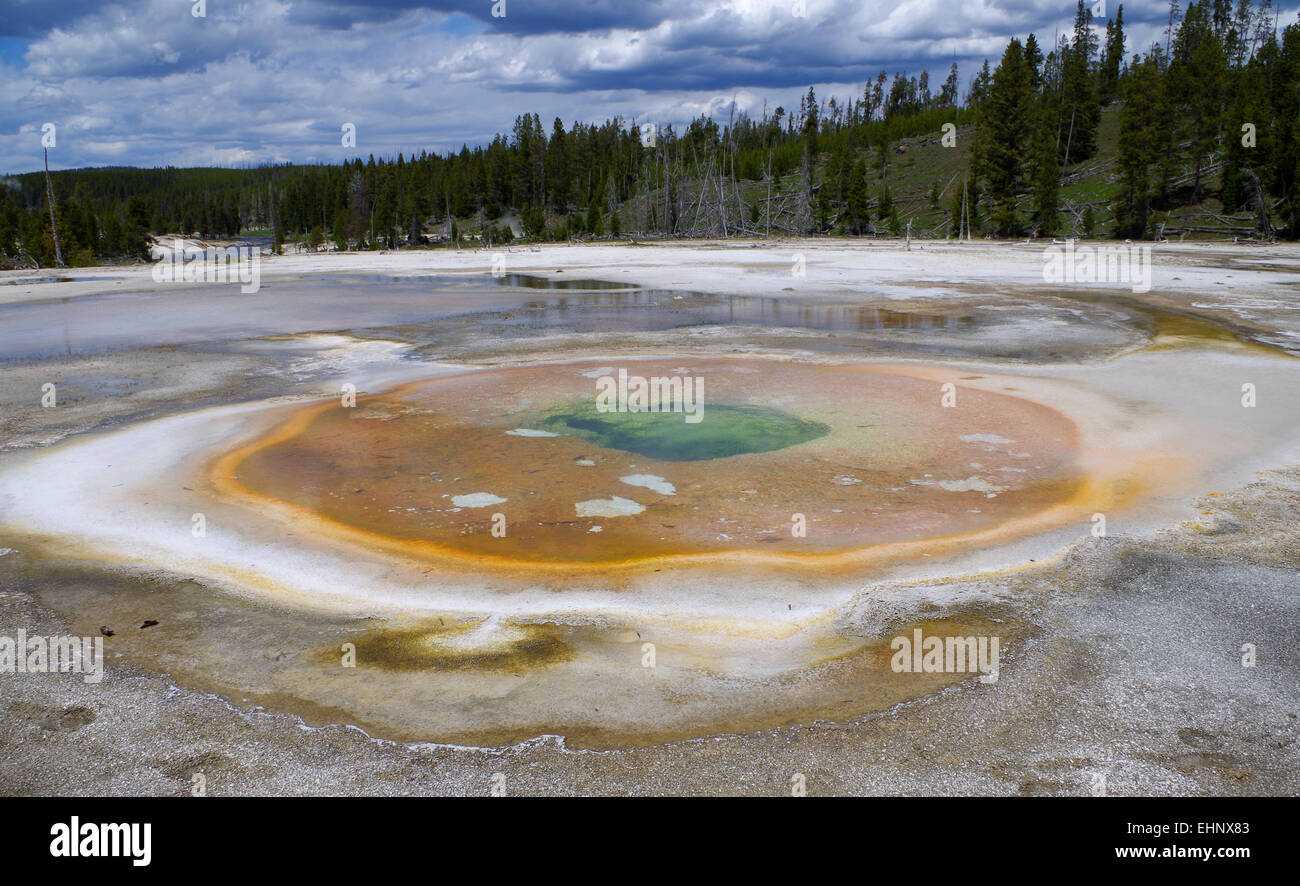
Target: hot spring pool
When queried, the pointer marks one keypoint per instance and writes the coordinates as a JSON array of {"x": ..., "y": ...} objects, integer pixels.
[{"x": 783, "y": 461}]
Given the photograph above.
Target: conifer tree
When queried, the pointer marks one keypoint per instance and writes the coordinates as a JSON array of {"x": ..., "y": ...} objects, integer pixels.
[
  {"x": 1112, "y": 58},
  {"x": 1140, "y": 125},
  {"x": 1006, "y": 119},
  {"x": 1081, "y": 110},
  {"x": 855, "y": 196},
  {"x": 1046, "y": 172}
]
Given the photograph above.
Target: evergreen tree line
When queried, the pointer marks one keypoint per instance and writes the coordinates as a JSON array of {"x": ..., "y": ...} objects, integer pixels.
[{"x": 1209, "y": 114}]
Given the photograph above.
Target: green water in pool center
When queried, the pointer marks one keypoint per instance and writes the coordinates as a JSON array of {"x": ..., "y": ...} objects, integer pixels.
[{"x": 724, "y": 431}]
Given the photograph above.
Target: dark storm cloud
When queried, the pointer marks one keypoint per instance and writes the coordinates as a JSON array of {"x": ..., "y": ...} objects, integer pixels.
[
  {"x": 33, "y": 18},
  {"x": 549, "y": 16}
]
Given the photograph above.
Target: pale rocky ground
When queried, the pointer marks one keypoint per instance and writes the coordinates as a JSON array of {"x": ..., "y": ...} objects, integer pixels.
[
  {"x": 1132, "y": 665},
  {"x": 739, "y": 266}
]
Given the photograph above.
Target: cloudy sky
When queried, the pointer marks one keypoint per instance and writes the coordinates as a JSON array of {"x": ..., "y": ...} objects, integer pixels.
[{"x": 149, "y": 83}]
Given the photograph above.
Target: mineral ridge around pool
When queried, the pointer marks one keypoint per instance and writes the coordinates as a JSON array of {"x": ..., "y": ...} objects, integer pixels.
[{"x": 867, "y": 454}]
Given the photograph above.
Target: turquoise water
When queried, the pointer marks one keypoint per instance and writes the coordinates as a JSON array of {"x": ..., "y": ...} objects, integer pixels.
[{"x": 723, "y": 431}]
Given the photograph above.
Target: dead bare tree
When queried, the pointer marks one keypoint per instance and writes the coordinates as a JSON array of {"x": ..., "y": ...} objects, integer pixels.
[
  {"x": 54, "y": 227},
  {"x": 1265, "y": 219}
]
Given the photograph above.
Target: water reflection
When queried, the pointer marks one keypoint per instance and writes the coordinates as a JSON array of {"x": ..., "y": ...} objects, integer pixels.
[
  {"x": 221, "y": 313},
  {"x": 655, "y": 309}
]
